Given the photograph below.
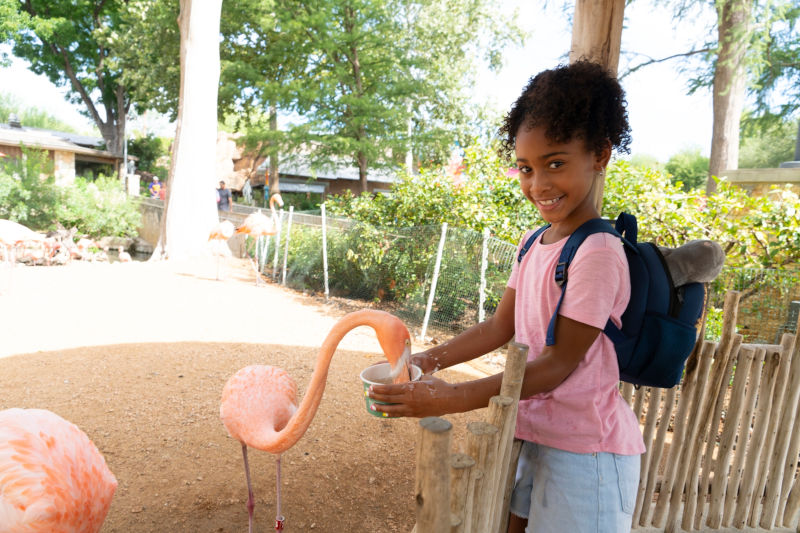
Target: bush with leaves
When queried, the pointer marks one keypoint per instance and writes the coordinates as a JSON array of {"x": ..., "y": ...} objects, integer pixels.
[
  {"x": 689, "y": 167},
  {"x": 28, "y": 192},
  {"x": 484, "y": 196},
  {"x": 100, "y": 208},
  {"x": 754, "y": 231}
]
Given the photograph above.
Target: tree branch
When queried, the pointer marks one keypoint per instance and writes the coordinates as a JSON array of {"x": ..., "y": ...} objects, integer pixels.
[
  {"x": 652, "y": 61},
  {"x": 76, "y": 84}
]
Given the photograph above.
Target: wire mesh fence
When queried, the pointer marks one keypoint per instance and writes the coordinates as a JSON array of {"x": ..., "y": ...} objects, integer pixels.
[{"x": 396, "y": 269}]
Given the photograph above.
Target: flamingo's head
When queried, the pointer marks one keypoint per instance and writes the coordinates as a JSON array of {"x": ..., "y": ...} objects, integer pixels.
[
  {"x": 275, "y": 199},
  {"x": 395, "y": 342}
]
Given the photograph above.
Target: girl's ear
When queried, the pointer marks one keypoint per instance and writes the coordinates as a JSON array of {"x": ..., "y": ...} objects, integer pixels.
[{"x": 603, "y": 156}]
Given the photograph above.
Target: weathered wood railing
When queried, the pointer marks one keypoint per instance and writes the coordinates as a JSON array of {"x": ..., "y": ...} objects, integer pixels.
[{"x": 722, "y": 447}]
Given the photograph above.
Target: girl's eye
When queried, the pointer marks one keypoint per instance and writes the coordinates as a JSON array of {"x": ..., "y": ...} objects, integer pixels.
[
  {"x": 555, "y": 164},
  {"x": 524, "y": 169}
]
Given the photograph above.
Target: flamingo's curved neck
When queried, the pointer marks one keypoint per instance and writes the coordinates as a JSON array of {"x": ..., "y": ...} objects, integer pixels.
[{"x": 377, "y": 320}]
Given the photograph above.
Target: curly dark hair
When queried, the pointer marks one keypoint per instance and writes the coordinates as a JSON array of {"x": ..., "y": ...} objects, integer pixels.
[{"x": 579, "y": 100}]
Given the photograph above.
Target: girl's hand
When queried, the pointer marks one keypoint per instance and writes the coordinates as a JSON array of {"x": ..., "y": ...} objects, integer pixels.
[
  {"x": 429, "y": 396},
  {"x": 426, "y": 362}
]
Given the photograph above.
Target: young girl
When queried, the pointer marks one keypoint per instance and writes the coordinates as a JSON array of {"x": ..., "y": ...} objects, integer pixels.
[{"x": 579, "y": 465}]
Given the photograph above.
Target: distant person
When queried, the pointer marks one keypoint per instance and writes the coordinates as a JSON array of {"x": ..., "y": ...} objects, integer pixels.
[
  {"x": 162, "y": 193},
  {"x": 224, "y": 198},
  {"x": 155, "y": 188}
]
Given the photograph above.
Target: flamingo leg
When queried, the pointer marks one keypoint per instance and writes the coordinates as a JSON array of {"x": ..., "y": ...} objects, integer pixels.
[
  {"x": 251, "y": 504},
  {"x": 255, "y": 268},
  {"x": 279, "y": 519}
]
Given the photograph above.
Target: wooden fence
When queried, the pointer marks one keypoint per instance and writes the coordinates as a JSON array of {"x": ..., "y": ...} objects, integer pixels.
[{"x": 722, "y": 447}]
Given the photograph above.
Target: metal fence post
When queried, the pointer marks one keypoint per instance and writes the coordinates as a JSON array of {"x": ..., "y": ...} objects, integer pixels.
[
  {"x": 484, "y": 266},
  {"x": 324, "y": 251},
  {"x": 277, "y": 245},
  {"x": 286, "y": 251},
  {"x": 436, "y": 267}
]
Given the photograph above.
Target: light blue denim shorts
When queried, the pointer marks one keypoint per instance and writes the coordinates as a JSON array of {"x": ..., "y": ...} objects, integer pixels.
[{"x": 560, "y": 491}]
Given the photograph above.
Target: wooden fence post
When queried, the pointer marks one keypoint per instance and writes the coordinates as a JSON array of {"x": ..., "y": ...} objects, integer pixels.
[
  {"x": 481, "y": 446},
  {"x": 757, "y": 440},
  {"x": 433, "y": 476},
  {"x": 740, "y": 454},
  {"x": 780, "y": 466},
  {"x": 513, "y": 376},
  {"x": 461, "y": 466},
  {"x": 744, "y": 361},
  {"x": 686, "y": 444},
  {"x": 661, "y": 435},
  {"x": 709, "y": 429},
  {"x": 647, "y": 457}
]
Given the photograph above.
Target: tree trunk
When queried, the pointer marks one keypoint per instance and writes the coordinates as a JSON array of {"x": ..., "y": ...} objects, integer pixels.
[
  {"x": 597, "y": 36},
  {"x": 274, "y": 178},
  {"x": 733, "y": 24},
  {"x": 362, "y": 171},
  {"x": 191, "y": 210}
]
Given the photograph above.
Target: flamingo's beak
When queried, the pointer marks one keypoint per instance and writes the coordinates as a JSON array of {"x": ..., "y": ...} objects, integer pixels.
[{"x": 401, "y": 372}]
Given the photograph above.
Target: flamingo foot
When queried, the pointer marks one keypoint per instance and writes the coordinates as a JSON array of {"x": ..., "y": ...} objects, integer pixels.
[
  {"x": 257, "y": 273},
  {"x": 251, "y": 504},
  {"x": 279, "y": 519}
]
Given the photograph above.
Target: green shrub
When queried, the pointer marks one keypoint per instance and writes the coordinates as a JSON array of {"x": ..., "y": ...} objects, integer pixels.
[
  {"x": 100, "y": 208},
  {"x": 28, "y": 193}
]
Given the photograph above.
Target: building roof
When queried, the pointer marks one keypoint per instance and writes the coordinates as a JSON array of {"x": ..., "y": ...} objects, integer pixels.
[{"x": 52, "y": 140}]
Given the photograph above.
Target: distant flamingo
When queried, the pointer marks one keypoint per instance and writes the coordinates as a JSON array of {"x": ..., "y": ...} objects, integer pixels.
[
  {"x": 220, "y": 234},
  {"x": 14, "y": 235},
  {"x": 52, "y": 477},
  {"x": 259, "y": 403},
  {"x": 257, "y": 225},
  {"x": 124, "y": 257}
]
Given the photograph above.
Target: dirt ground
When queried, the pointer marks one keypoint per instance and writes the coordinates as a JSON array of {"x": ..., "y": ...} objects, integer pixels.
[{"x": 137, "y": 354}]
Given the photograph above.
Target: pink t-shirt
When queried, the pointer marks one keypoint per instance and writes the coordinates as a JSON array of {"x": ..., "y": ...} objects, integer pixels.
[{"x": 586, "y": 412}]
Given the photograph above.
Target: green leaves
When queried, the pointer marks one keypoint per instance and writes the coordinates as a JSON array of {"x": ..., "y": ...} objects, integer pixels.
[
  {"x": 368, "y": 80},
  {"x": 754, "y": 231}
]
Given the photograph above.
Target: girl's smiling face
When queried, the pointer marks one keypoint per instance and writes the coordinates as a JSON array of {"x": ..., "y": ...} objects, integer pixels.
[{"x": 559, "y": 179}]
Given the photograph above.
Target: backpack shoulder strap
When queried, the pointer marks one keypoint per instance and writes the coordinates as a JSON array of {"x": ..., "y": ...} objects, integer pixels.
[
  {"x": 595, "y": 225},
  {"x": 529, "y": 242}
]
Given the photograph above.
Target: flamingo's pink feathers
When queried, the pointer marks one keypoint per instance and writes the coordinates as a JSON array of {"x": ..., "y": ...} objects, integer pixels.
[
  {"x": 257, "y": 224},
  {"x": 52, "y": 477},
  {"x": 257, "y": 403},
  {"x": 222, "y": 231}
]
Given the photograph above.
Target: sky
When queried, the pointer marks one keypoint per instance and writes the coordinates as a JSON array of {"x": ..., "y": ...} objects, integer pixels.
[{"x": 664, "y": 119}]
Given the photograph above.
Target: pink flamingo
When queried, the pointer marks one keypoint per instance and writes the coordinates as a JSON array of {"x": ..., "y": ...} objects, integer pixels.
[
  {"x": 220, "y": 234},
  {"x": 259, "y": 403},
  {"x": 257, "y": 225},
  {"x": 123, "y": 256},
  {"x": 52, "y": 477},
  {"x": 14, "y": 235}
]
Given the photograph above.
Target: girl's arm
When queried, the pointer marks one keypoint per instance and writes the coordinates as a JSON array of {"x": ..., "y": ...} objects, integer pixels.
[
  {"x": 479, "y": 339},
  {"x": 434, "y": 397}
]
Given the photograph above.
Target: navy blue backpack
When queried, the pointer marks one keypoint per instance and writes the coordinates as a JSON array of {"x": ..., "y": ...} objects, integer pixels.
[{"x": 660, "y": 324}]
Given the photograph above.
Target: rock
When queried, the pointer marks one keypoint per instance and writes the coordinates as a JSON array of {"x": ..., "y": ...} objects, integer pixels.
[{"x": 141, "y": 246}]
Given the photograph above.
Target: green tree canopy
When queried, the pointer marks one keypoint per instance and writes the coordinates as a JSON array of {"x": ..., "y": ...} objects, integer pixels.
[
  {"x": 368, "y": 80},
  {"x": 767, "y": 145},
  {"x": 689, "y": 168},
  {"x": 67, "y": 42}
]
